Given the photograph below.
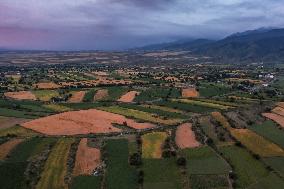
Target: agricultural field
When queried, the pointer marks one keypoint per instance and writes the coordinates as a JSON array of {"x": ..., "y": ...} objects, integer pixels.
[
  {"x": 119, "y": 174},
  {"x": 152, "y": 145},
  {"x": 104, "y": 120}
]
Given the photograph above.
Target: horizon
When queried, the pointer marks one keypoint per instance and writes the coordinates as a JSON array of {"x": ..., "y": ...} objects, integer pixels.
[{"x": 112, "y": 25}]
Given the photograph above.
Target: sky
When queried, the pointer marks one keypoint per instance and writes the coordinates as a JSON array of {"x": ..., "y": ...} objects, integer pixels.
[{"x": 122, "y": 24}]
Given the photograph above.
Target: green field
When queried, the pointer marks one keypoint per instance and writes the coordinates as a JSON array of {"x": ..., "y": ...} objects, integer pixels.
[
  {"x": 277, "y": 163},
  {"x": 89, "y": 96},
  {"x": 115, "y": 93},
  {"x": 272, "y": 181},
  {"x": 203, "y": 103},
  {"x": 45, "y": 95},
  {"x": 55, "y": 167},
  {"x": 17, "y": 131},
  {"x": 161, "y": 173},
  {"x": 208, "y": 181},
  {"x": 213, "y": 89},
  {"x": 247, "y": 169},
  {"x": 204, "y": 160},
  {"x": 86, "y": 182},
  {"x": 140, "y": 115},
  {"x": 185, "y": 106},
  {"x": 119, "y": 173},
  {"x": 15, "y": 166},
  {"x": 157, "y": 93},
  {"x": 269, "y": 131}
]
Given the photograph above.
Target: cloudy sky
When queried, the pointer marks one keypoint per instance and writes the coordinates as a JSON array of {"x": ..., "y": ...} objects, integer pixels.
[{"x": 119, "y": 24}]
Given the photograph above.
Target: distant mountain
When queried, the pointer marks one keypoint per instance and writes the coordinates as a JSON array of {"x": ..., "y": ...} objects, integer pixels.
[
  {"x": 258, "y": 45},
  {"x": 264, "y": 44},
  {"x": 177, "y": 45}
]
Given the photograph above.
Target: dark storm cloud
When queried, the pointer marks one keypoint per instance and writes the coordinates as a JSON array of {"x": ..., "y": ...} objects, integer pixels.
[{"x": 117, "y": 24}]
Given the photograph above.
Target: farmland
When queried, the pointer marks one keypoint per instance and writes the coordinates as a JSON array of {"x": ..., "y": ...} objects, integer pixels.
[{"x": 109, "y": 122}]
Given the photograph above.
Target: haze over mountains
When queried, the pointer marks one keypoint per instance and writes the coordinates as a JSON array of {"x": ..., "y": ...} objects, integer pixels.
[{"x": 255, "y": 45}]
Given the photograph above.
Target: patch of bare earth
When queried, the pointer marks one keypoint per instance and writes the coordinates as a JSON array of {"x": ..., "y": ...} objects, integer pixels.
[
  {"x": 87, "y": 159},
  {"x": 278, "y": 110},
  {"x": 8, "y": 146},
  {"x": 46, "y": 85},
  {"x": 190, "y": 92},
  {"x": 21, "y": 95},
  {"x": 77, "y": 97},
  {"x": 185, "y": 137},
  {"x": 128, "y": 97},
  {"x": 6, "y": 122},
  {"x": 101, "y": 94},
  {"x": 82, "y": 122},
  {"x": 275, "y": 117}
]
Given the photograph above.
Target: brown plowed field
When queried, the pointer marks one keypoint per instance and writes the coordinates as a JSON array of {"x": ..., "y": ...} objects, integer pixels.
[
  {"x": 7, "y": 147},
  {"x": 101, "y": 94},
  {"x": 280, "y": 104},
  {"x": 278, "y": 110},
  {"x": 190, "y": 92},
  {"x": 87, "y": 159},
  {"x": 77, "y": 97},
  {"x": 82, "y": 122},
  {"x": 21, "y": 95},
  {"x": 185, "y": 137},
  {"x": 48, "y": 85},
  {"x": 128, "y": 97},
  {"x": 275, "y": 117}
]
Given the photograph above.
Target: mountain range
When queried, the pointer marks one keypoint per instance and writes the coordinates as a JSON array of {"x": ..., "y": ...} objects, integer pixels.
[{"x": 264, "y": 44}]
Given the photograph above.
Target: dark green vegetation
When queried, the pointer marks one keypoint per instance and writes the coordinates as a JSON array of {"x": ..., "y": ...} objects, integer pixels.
[
  {"x": 15, "y": 166},
  {"x": 86, "y": 182},
  {"x": 270, "y": 131},
  {"x": 213, "y": 89},
  {"x": 208, "y": 181},
  {"x": 247, "y": 169},
  {"x": 204, "y": 160},
  {"x": 119, "y": 174},
  {"x": 161, "y": 173},
  {"x": 23, "y": 109},
  {"x": 115, "y": 93},
  {"x": 89, "y": 96},
  {"x": 153, "y": 94},
  {"x": 276, "y": 163}
]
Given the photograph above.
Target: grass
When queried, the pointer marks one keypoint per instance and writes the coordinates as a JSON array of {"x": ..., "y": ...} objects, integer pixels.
[
  {"x": 152, "y": 144},
  {"x": 89, "y": 96},
  {"x": 115, "y": 93},
  {"x": 204, "y": 160},
  {"x": 161, "y": 173},
  {"x": 18, "y": 131},
  {"x": 150, "y": 109},
  {"x": 119, "y": 173},
  {"x": 86, "y": 182},
  {"x": 205, "y": 104},
  {"x": 271, "y": 181},
  {"x": 269, "y": 130},
  {"x": 57, "y": 107},
  {"x": 157, "y": 93},
  {"x": 140, "y": 115},
  {"x": 15, "y": 166},
  {"x": 184, "y": 106},
  {"x": 257, "y": 144},
  {"x": 56, "y": 166},
  {"x": 209, "y": 181},
  {"x": 164, "y": 108},
  {"x": 247, "y": 169},
  {"x": 277, "y": 163},
  {"x": 213, "y": 89},
  {"x": 45, "y": 95}
]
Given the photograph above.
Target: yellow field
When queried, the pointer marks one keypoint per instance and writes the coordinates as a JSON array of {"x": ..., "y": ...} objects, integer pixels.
[
  {"x": 221, "y": 119},
  {"x": 55, "y": 167},
  {"x": 152, "y": 144},
  {"x": 136, "y": 114},
  {"x": 57, "y": 108},
  {"x": 45, "y": 95},
  {"x": 257, "y": 144},
  {"x": 163, "y": 108},
  {"x": 205, "y": 104}
]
